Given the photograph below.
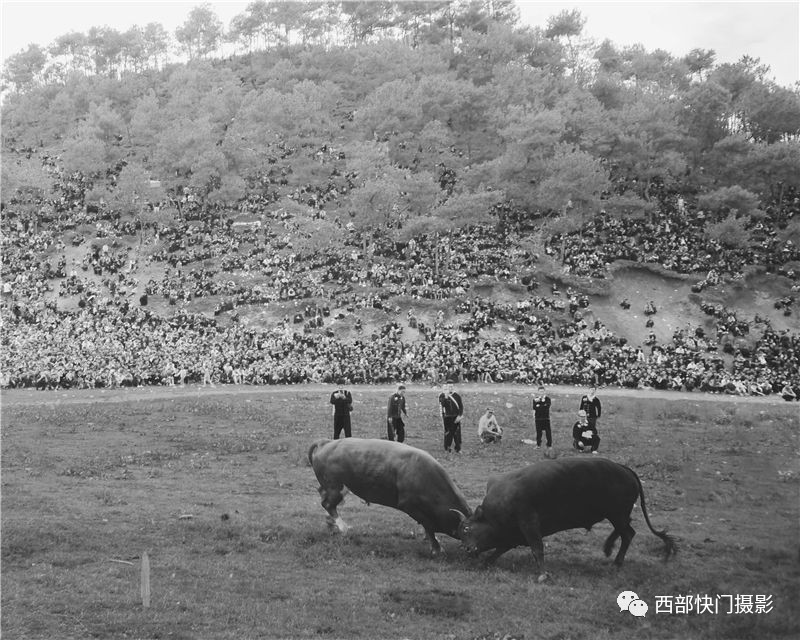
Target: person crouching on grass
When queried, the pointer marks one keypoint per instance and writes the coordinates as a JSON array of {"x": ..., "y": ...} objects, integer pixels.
[
  {"x": 488, "y": 429},
  {"x": 584, "y": 435}
]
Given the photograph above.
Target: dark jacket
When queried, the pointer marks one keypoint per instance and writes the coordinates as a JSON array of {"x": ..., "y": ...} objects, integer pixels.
[
  {"x": 591, "y": 407},
  {"x": 342, "y": 406},
  {"x": 452, "y": 405},
  {"x": 541, "y": 409},
  {"x": 578, "y": 429},
  {"x": 397, "y": 406}
]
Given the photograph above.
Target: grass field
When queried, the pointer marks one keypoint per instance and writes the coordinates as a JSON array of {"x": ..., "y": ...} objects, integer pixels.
[{"x": 216, "y": 487}]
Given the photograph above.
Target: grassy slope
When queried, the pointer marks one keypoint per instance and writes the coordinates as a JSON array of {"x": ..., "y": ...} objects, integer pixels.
[{"x": 88, "y": 482}]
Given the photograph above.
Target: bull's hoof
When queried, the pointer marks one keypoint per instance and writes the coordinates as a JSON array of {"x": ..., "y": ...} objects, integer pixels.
[{"x": 543, "y": 577}]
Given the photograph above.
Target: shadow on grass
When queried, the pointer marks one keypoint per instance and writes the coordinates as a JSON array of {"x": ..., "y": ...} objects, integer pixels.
[{"x": 436, "y": 602}]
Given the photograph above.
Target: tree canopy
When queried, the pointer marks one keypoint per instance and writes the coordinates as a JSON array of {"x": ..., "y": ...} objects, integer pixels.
[{"x": 427, "y": 111}]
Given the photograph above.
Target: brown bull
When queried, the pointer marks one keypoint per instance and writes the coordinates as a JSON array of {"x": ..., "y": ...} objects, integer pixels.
[{"x": 392, "y": 474}]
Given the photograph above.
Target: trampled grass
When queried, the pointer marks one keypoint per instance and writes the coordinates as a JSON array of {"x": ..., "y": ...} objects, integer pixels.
[{"x": 216, "y": 487}]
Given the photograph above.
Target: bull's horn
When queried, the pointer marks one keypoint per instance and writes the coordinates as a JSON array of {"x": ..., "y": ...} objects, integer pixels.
[{"x": 460, "y": 515}]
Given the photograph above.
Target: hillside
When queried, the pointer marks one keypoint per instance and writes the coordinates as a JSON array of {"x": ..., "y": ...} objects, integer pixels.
[
  {"x": 677, "y": 305},
  {"x": 475, "y": 203}
]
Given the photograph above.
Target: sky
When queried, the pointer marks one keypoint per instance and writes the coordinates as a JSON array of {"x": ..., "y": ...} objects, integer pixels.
[{"x": 766, "y": 30}]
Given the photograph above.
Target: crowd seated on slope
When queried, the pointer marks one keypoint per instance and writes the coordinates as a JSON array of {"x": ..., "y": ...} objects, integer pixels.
[
  {"x": 114, "y": 337},
  {"x": 675, "y": 241},
  {"x": 108, "y": 344}
]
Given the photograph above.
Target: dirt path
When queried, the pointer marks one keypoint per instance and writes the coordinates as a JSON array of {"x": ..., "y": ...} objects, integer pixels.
[{"x": 31, "y": 397}]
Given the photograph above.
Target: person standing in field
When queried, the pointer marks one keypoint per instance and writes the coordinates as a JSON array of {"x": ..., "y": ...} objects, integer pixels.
[
  {"x": 541, "y": 417},
  {"x": 208, "y": 372},
  {"x": 590, "y": 403},
  {"x": 452, "y": 408},
  {"x": 342, "y": 402},
  {"x": 394, "y": 415}
]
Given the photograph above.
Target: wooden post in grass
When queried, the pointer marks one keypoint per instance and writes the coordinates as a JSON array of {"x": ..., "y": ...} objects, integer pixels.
[{"x": 145, "y": 580}]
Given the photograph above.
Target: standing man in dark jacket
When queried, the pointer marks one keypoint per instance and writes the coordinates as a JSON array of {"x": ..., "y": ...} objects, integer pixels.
[
  {"x": 541, "y": 417},
  {"x": 342, "y": 403},
  {"x": 590, "y": 403},
  {"x": 394, "y": 415},
  {"x": 452, "y": 408}
]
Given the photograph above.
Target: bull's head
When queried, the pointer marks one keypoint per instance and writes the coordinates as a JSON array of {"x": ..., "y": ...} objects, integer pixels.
[{"x": 474, "y": 532}]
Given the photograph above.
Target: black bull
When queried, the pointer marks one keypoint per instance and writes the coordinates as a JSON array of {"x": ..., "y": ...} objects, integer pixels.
[
  {"x": 523, "y": 506},
  {"x": 391, "y": 474}
]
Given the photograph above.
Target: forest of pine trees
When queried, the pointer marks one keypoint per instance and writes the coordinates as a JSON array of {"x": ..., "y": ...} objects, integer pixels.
[{"x": 441, "y": 110}]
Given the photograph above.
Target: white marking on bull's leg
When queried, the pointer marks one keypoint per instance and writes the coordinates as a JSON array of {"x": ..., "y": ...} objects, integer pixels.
[
  {"x": 341, "y": 525},
  {"x": 436, "y": 548}
]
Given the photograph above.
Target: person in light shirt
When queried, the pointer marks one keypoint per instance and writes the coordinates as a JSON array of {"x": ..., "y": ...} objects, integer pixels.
[{"x": 488, "y": 430}]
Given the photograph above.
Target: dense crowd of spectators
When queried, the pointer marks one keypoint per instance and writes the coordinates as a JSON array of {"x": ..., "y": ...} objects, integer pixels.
[
  {"x": 105, "y": 344},
  {"x": 675, "y": 240},
  {"x": 115, "y": 335}
]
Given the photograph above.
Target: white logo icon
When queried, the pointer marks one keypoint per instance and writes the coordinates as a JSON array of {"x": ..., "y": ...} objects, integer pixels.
[{"x": 630, "y": 602}]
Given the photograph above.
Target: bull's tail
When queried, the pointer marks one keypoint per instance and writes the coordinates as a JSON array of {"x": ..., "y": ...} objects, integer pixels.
[
  {"x": 313, "y": 448},
  {"x": 670, "y": 546}
]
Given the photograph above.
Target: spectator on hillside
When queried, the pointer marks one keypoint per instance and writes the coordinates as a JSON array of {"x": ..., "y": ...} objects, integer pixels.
[{"x": 208, "y": 372}]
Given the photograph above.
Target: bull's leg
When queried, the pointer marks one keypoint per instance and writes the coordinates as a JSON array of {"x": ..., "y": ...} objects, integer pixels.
[
  {"x": 532, "y": 531},
  {"x": 430, "y": 530},
  {"x": 436, "y": 548},
  {"x": 331, "y": 498},
  {"x": 627, "y": 535},
  {"x": 623, "y": 530},
  {"x": 608, "y": 547}
]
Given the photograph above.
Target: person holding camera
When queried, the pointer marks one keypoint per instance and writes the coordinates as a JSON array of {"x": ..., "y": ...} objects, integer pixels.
[{"x": 342, "y": 407}]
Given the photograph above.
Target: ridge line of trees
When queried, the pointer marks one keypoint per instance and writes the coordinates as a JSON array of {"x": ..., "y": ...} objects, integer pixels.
[{"x": 433, "y": 128}]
